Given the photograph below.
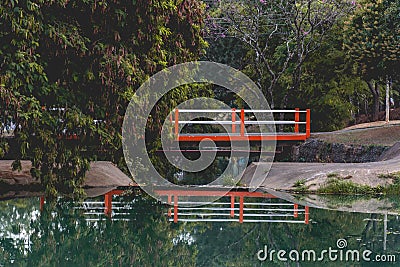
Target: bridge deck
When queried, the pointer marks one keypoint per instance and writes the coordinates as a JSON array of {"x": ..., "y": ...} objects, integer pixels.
[{"x": 246, "y": 137}]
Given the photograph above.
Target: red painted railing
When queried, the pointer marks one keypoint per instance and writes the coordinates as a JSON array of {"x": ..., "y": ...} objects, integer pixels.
[{"x": 243, "y": 134}]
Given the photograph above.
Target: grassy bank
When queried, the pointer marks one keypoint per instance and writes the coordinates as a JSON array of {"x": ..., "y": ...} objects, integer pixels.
[{"x": 338, "y": 185}]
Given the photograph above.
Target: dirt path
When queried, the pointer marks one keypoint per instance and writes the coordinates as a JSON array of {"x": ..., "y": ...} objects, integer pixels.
[{"x": 376, "y": 133}]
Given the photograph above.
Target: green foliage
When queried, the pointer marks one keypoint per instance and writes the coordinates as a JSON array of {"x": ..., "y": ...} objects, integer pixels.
[
  {"x": 395, "y": 176},
  {"x": 329, "y": 88},
  {"x": 300, "y": 186},
  {"x": 300, "y": 182},
  {"x": 331, "y": 70},
  {"x": 228, "y": 180},
  {"x": 332, "y": 175},
  {"x": 394, "y": 188},
  {"x": 278, "y": 37},
  {"x": 372, "y": 38},
  {"x": 340, "y": 186},
  {"x": 87, "y": 57},
  {"x": 4, "y": 147}
]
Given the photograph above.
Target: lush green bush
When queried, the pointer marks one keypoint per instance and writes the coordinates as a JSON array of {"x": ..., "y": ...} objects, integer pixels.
[{"x": 88, "y": 58}]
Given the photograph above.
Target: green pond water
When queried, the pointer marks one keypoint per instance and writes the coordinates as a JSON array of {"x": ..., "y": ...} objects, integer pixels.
[{"x": 138, "y": 231}]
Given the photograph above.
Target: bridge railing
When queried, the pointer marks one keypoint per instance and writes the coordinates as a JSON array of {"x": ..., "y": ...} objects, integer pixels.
[{"x": 239, "y": 119}]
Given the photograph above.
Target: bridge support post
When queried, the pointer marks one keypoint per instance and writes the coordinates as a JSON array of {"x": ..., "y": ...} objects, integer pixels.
[
  {"x": 242, "y": 122},
  {"x": 233, "y": 120},
  {"x": 296, "y": 119},
  {"x": 308, "y": 123}
]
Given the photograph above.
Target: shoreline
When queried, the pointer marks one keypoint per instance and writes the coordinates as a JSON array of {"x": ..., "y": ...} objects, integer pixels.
[{"x": 368, "y": 178}]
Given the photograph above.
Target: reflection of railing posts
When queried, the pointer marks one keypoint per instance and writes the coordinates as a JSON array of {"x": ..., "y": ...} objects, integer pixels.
[
  {"x": 296, "y": 119},
  {"x": 41, "y": 203},
  {"x": 169, "y": 202},
  {"x": 180, "y": 214},
  {"x": 232, "y": 206},
  {"x": 308, "y": 123},
  {"x": 175, "y": 208},
  {"x": 241, "y": 207},
  {"x": 385, "y": 221},
  {"x": 108, "y": 203},
  {"x": 306, "y": 215}
]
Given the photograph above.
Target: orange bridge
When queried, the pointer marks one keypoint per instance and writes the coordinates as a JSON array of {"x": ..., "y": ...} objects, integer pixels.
[{"x": 239, "y": 121}]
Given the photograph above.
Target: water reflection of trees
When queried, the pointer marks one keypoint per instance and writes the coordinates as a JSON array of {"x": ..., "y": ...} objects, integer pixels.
[
  {"x": 60, "y": 235},
  {"x": 15, "y": 228},
  {"x": 237, "y": 245}
]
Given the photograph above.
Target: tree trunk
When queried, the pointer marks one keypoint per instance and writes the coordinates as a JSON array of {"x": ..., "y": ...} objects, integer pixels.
[
  {"x": 374, "y": 88},
  {"x": 387, "y": 100}
]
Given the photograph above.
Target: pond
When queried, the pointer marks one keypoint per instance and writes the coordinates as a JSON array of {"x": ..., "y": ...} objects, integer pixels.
[{"x": 129, "y": 228}]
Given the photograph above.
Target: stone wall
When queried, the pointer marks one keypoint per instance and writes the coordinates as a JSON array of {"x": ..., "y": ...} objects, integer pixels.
[{"x": 314, "y": 150}]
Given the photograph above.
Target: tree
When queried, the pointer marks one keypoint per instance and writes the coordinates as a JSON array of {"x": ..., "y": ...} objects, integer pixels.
[
  {"x": 69, "y": 68},
  {"x": 279, "y": 34},
  {"x": 329, "y": 88},
  {"x": 371, "y": 40}
]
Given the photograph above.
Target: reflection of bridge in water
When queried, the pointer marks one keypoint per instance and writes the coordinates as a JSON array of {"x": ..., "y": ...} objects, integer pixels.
[{"x": 234, "y": 206}]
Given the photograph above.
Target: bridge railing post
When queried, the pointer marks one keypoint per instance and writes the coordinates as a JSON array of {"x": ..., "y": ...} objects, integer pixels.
[
  {"x": 242, "y": 122},
  {"x": 177, "y": 124},
  {"x": 308, "y": 123},
  {"x": 233, "y": 120},
  {"x": 296, "y": 119}
]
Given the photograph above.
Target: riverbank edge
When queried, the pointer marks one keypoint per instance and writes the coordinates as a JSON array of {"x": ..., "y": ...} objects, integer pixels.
[{"x": 351, "y": 178}]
